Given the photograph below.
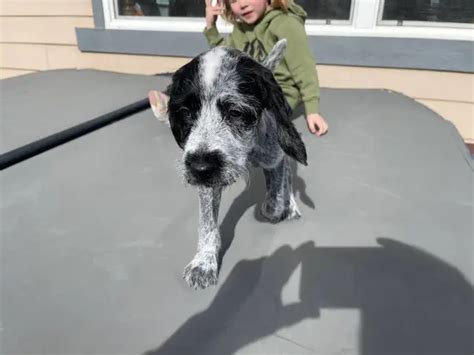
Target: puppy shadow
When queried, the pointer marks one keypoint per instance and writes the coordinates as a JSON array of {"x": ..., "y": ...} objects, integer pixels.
[
  {"x": 246, "y": 308},
  {"x": 254, "y": 195},
  {"x": 408, "y": 302}
]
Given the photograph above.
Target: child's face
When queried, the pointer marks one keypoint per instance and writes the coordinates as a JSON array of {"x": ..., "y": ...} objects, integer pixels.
[{"x": 249, "y": 11}]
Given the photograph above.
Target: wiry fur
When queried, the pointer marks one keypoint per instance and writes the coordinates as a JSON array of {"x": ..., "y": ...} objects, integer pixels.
[{"x": 227, "y": 112}]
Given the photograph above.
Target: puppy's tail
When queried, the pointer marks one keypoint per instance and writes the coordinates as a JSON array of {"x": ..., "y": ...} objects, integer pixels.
[{"x": 276, "y": 55}]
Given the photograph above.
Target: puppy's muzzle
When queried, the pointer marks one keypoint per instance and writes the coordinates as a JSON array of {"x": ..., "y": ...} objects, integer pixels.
[{"x": 204, "y": 168}]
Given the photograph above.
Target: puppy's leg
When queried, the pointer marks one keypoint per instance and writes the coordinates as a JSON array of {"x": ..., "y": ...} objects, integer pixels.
[
  {"x": 202, "y": 271},
  {"x": 280, "y": 202}
]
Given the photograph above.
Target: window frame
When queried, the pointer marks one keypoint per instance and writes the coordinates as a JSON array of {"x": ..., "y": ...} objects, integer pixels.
[
  {"x": 453, "y": 25},
  {"x": 365, "y": 21},
  {"x": 352, "y": 49}
]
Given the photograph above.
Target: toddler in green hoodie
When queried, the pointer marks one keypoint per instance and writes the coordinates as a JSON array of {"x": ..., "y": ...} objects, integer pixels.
[{"x": 258, "y": 25}]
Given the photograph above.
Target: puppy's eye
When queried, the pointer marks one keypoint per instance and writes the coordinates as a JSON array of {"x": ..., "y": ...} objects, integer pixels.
[
  {"x": 185, "y": 113},
  {"x": 234, "y": 114}
]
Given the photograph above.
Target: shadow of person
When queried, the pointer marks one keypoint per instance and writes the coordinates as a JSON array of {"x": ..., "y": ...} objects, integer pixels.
[
  {"x": 247, "y": 307},
  {"x": 410, "y": 302}
]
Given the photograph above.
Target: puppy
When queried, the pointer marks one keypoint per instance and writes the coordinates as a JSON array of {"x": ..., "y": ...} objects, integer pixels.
[{"x": 227, "y": 113}]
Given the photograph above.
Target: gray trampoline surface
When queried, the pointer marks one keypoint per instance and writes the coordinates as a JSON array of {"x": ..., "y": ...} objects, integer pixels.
[{"x": 95, "y": 234}]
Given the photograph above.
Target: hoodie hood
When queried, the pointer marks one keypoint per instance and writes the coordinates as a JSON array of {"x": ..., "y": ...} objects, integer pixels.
[
  {"x": 297, "y": 10},
  {"x": 293, "y": 10}
]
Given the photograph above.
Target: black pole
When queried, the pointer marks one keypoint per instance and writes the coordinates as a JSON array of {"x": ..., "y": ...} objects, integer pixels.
[{"x": 30, "y": 150}]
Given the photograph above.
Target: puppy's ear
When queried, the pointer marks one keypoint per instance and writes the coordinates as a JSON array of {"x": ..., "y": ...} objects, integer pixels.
[
  {"x": 183, "y": 103},
  {"x": 276, "y": 55},
  {"x": 275, "y": 103}
]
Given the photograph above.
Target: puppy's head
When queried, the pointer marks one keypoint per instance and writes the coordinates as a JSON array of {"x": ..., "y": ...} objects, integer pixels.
[{"x": 216, "y": 102}]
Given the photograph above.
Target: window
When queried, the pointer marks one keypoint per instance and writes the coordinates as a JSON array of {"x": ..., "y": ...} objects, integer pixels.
[
  {"x": 437, "y": 19},
  {"x": 327, "y": 10},
  {"x": 165, "y": 8},
  {"x": 448, "y": 11},
  {"x": 321, "y": 10}
]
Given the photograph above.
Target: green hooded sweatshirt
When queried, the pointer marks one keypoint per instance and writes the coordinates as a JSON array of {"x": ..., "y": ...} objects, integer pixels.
[{"x": 296, "y": 74}]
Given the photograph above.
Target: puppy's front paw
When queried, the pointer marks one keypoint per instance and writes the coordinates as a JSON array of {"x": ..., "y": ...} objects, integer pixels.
[{"x": 202, "y": 271}]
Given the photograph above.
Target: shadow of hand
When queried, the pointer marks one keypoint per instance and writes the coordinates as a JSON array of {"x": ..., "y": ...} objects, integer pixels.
[{"x": 247, "y": 307}]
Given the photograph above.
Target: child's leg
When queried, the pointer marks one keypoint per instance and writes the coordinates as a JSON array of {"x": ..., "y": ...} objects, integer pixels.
[{"x": 159, "y": 104}]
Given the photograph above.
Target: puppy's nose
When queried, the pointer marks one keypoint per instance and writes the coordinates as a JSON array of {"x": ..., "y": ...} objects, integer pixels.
[{"x": 203, "y": 163}]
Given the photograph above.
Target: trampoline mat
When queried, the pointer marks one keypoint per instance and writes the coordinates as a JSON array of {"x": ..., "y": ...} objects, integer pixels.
[
  {"x": 95, "y": 234},
  {"x": 43, "y": 103}
]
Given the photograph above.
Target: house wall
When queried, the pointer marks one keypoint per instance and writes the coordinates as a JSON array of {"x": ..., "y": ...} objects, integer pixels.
[{"x": 40, "y": 35}]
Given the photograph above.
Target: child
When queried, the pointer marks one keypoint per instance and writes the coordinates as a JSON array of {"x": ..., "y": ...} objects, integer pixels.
[{"x": 258, "y": 25}]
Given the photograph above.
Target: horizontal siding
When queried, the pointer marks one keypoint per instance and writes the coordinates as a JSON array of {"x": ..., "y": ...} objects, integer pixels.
[
  {"x": 448, "y": 87},
  {"x": 70, "y": 57},
  {"x": 52, "y": 30},
  {"x": 24, "y": 56},
  {"x": 46, "y": 8},
  {"x": 10, "y": 73},
  {"x": 44, "y": 57},
  {"x": 419, "y": 84},
  {"x": 460, "y": 114},
  {"x": 451, "y": 95}
]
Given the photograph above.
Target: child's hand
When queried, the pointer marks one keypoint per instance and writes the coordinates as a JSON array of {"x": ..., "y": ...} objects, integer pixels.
[
  {"x": 316, "y": 124},
  {"x": 214, "y": 8}
]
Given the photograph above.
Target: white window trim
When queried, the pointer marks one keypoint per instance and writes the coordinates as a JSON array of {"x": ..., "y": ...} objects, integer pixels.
[{"x": 365, "y": 22}]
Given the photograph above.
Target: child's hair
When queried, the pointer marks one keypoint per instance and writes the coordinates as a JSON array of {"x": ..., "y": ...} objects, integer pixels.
[{"x": 230, "y": 17}]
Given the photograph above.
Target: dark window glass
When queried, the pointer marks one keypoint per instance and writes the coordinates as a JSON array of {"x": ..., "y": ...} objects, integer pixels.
[
  {"x": 319, "y": 9},
  {"x": 327, "y": 9},
  {"x": 174, "y": 8},
  {"x": 460, "y": 11}
]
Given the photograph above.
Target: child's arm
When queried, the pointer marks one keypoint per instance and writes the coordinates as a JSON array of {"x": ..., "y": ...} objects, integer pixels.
[
  {"x": 214, "y": 8},
  {"x": 211, "y": 33},
  {"x": 300, "y": 62},
  {"x": 214, "y": 38},
  {"x": 302, "y": 67}
]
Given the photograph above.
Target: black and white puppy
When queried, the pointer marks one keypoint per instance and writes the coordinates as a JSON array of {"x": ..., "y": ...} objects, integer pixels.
[{"x": 227, "y": 113}]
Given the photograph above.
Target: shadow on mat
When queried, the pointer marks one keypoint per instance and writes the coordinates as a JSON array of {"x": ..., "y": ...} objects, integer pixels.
[
  {"x": 254, "y": 196},
  {"x": 410, "y": 302}
]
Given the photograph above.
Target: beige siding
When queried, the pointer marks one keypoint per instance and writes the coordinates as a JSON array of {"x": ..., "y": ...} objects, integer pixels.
[
  {"x": 10, "y": 73},
  {"x": 71, "y": 57},
  {"x": 451, "y": 95},
  {"x": 414, "y": 83},
  {"x": 24, "y": 56},
  {"x": 54, "y": 30},
  {"x": 45, "y": 56},
  {"x": 460, "y": 114},
  {"x": 45, "y": 8},
  {"x": 40, "y": 35}
]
